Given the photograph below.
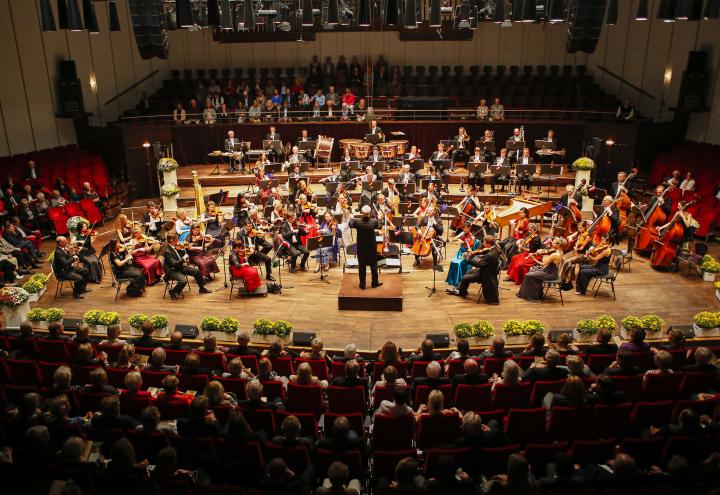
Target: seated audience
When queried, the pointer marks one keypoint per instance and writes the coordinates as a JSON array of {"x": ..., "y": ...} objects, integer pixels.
[{"x": 603, "y": 345}]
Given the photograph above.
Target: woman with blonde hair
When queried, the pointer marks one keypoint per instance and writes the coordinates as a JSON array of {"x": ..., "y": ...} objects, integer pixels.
[
  {"x": 122, "y": 227},
  {"x": 216, "y": 396},
  {"x": 126, "y": 358},
  {"x": 182, "y": 225},
  {"x": 304, "y": 376},
  {"x": 510, "y": 374},
  {"x": 435, "y": 406}
]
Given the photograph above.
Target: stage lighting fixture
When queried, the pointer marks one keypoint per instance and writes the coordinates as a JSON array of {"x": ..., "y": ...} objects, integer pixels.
[
  {"x": 213, "y": 13},
  {"x": 392, "y": 16},
  {"x": 435, "y": 19},
  {"x": 528, "y": 11},
  {"x": 62, "y": 14},
  {"x": 183, "y": 13},
  {"x": 666, "y": 10},
  {"x": 91, "y": 23},
  {"x": 499, "y": 14},
  {"x": 333, "y": 13},
  {"x": 642, "y": 11},
  {"x": 113, "y": 17},
  {"x": 74, "y": 19},
  {"x": 411, "y": 19},
  {"x": 612, "y": 13},
  {"x": 712, "y": 10},
  {"x": 364, "y": 13},
  {"x": 556, "y": 11},
  {"x": 47, "y": 20}
]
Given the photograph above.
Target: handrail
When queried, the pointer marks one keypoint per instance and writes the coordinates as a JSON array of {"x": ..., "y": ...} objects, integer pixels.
[{"x": 131, "y": 87}]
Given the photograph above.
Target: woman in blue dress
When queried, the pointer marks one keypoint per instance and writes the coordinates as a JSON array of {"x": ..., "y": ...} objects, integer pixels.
[
  {"x": 329, "y": 226},
  {"x": 182, "y": 225},
  {"x": 458, "y": 265}
]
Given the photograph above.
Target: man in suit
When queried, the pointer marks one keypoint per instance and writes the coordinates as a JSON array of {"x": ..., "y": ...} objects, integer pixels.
[
  {"x": 615, "y": 186},
  {"x": 276, "y": 151},
  {"x": 375, "y": 129},
  {"x": 291, "y": 235},
  {"x": 15, "y": 238},
  {"x": 146, "y": 339},
  {"x": 64, "y": 269},
  {"x": 502, "y": 160},
  {"x": 525, "y": 179},
  {"x": 177, "y": 270},
  {"x": 471, "y": 375},
  {"x": 273, "y": 135},
  {"x": 603, "y": 345},
  {"x": 259, "y": 245},
  {"x": 230, "y": 144},
  {"x": 32, "y": 172},
  {"x": 484, "y": 271},
  {"x": 352, "y": 377},
  {"x": 477, "y": 178},
  {"x": 366, "y": 246},
  {"x": 462, "y": 141},
  {"x": 432, "y": 378},
  {"x": 570, "y": 196},
  {"x": 242, "y": 348}
]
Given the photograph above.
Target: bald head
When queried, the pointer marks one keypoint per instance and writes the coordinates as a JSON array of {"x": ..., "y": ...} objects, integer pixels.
[
  {"x": 365, "y": 210},
  {"x": 471, "y": 367}
]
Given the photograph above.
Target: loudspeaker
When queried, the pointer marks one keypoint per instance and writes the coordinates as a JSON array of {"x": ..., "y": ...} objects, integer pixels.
[
  {"x": 70, "y": 98},
  {"x": 687, "y": 330},
  {"x": 439, "y": 340},
  {"x": 187, "y": 331},
  {"x": 554, "y": 334},
  {"x": 68, "y": 71},
  {"x": 149, "y": 28},
  {"x": 303, "y": 339},
  {"x": 694, "y": 85},
  {"x": 697, "y": 61},
  {"x": 585, "y": 23},
  {"x": 71, "y": 323}
]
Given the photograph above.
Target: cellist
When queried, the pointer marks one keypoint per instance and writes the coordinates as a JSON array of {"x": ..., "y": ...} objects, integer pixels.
[
  {"x": 467, "y": 209},
  {"x": 685, "y": 219},
  {"x": 658, "y": 210},
  {"x": 569, "y": 209},
  {"x": 424, "y": 236},
  {"x": 611, "y": 212}
]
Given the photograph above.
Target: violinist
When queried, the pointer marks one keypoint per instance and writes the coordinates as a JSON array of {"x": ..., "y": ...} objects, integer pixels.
[
  {"x": 486, "y": 219},
  {"x": 142, "y": 249},
  {"x": 305, "y": 212},
  {"x": 182, "y": 225},
  {"x": 277, "y": 216},
  {"x": 123, "y": 228},
  {"x": 294, "y": 178},
  {"x": 484, "y": 263},
  {"x": 598, "y": 265},
  {"x": 341, "y": 192},
  {"x": 546, "y": 268},
  {"x": 582, "y": 243},
  {"x": 612, "y": 213},
  {"x": 122, "y": 266},
  {"x": 521, "y": 263},
  {"x": 274, "y": 198},
  {"x": 152, "y": 220},
  {"x": 509, "y": 244},
  {"x": 467, "y": 209},
  {"x": 303, "y": 188},
  {"x": 86, "y": 252},
  {"x": 212, "y": 218},
  {"x": 64, "y": 260},
  {"x": 252, "y": 236},
  {"x": 329, "y": 226},
  {"x": 198, "y": 251},
  {"x": 381, "y": 209},
  {"x": 177, "y": 268},
  {"x": 291, "y": 232},
  {"x": 367, "y": 196},
  {"x": 458, "y": 264},
  {"x": 240, "y": 209},
  {"x": 434, "y": 230},
  {"x": 240, "y": 267},
  {"x": 261, "y": 162}
]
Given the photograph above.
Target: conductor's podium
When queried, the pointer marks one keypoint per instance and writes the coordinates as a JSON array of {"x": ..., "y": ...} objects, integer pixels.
[{"x": 388, "y": 297}]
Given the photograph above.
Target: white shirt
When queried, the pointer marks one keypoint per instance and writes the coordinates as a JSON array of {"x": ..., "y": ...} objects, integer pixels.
[{"x": 688, "y": 185}]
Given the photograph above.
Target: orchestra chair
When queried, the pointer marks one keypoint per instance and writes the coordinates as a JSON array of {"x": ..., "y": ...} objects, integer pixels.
[
  {"x": 392, "y": 432},
  {"x": 626, "y": 255},
  {"x": 119, "y": 281},
  {"x": 701, "y": 249},
  {"x": 526, "y": 425},
  {"x": 60, "y": 284},
  {"x": 609, "y": 279},
  {"x": 392, "y": 259},
  {"x": 350, "y": 260},
  {"x": 555, "y": 284},
  {"x": 170, "y": 284}
]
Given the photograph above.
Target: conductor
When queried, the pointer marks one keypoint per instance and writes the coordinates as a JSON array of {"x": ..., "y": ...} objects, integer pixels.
[{"x": 366, "y": 245}]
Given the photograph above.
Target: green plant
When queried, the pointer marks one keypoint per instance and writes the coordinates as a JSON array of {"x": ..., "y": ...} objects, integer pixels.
[
  {"x": 531, "y": 327},
  {"x": 583, "y": 163},
  {"x": 110, "y": 318},
  {"x": 717, "y": 285},
  {"x": 39, "y": 277},
  {"x": 159, "y": 321},
  {"x": 210, "y": 324},
  {"x": 51, "y": 258},
  {"x": 167, "y": 164},
  {"x": 587, "y": 327},
  {"x": 631, "y": 323},
  {"x": 136, "y": 320},
  {"x": 36, "y": 314},
  {"x": 709, "y": 264},
  {"x": 282, "y": 328},
  {"x": 33, "y": 286},
  {"x": 169, "y": 190},
  {"x": 607, "y": 322},
  {"x": 74, "y": 222},
  {"x": 92, "y": 317},
  {"x": 262, "y": 327},
  {"x": 483, "y": 329},
  {"x": 229, "y": 325},
  {"x": 652, "y": 323},
  {"x": 54, "y": 314},
  {"x": 512, "y": 328},
  {"x": 464, "y": 330},
  {"x": 704, "y": 319}
]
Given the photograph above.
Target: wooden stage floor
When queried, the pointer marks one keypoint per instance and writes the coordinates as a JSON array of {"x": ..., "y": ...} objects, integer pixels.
[{"x": 312, "y": 305}]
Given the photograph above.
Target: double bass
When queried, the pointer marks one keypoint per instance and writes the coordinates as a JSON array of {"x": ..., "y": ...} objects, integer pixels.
[
  {"x": 666, "y": 246},
  {"x": 600, "y": 228},
  {"x": 623, "y": 202},
  {"x": 647, "y": 233}
]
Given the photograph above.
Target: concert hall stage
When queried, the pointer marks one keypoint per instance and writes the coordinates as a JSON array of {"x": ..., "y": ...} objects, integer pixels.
[{"x": 388, "y": 297}]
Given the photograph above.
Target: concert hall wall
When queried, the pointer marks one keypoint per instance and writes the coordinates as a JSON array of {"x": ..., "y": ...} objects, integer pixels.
[{"x": 642, "y": 53}]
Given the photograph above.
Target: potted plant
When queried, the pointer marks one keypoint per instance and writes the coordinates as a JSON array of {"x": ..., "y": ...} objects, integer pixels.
[
  {"x": 73, "y": 222},
  {"x": 707, "y": 324},
  {"x": 54, "y": 314},
  {"x": 168, "y": 164},
  {"x": 169, "y": 192},
  {"x": 37, "y": 317},
  {"x": 709, "y": 268},
  {"x": 606, "y": 322},
  {"x": 136, "y": 320},
  {"x": 585, "y": 330},
  {"x": 36, "y": 286},
  {"x": 484, "y": 332},
  {"x": 282, "y": 329},
  {"x": 92, "y": 319},
  {"x": 210, "y": 324},
  {"x": 160, "y": 325},
  {"x": 110, "y": 318},
  {"x": 464, "y": 330},
  {"x": 531, "y": 327},
  {"x": 262, "y": 328},
  {"x": 14, "y": 303},
  {"x": 229, "y": 325},
  {"x": 652, "y": 323},
  {"x": 628, "y": 324},
  {"x": 513, "y": 330}
]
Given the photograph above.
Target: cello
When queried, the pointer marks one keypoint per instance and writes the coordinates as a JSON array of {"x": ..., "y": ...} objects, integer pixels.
[
  {"x": 647, "y": 233},
  {"x": 622, "y": 201},
  {"x": 422, "y": 245},
  {"x": 666, "y": 246},
  {"x": 464, "y": 212}
]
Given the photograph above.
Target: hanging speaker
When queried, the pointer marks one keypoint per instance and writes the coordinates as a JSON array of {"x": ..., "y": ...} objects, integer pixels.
[
  {"x": 585, "y": 22},
  {"x": 113, "y": 17},
  {"x": 149, "y": 28},
  {"x": 392, "y": 16},
  {"x": 435, "y": 19},
  {"x": 62, "y": 14}
]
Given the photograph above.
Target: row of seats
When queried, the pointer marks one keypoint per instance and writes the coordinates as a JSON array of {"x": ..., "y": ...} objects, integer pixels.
[{"x": 86, "y": 207}]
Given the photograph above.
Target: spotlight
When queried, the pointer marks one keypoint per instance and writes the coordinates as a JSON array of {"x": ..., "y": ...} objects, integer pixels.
[
  {"x": 364, "y": 13},
  {"x": 666, "y": 11},
  {"x": 557, "y": 11},
  {"x": 609, "y": 142},
  {"x": 146, "y": 144},
  {"x": 91, "y": 23},
  {"x": 307, "y": 13},
  {"x": 183, "y": 14},
  {"x": 712, "y": 10},
  {"x": 642, "y": 11},
  {"x": 62, "y": 9},
  {"x": 435, "y": 20},
  {"x": 46, "y": 16},
  {"x": 411, "y": 20},
  {"x": 612, "y": 13},
  {"x": 392, "y": 16},
  {"x": 213, "y": 13},
  {"x": 74, "y": 19},
  {"x": 333, "y": 13},
  {"x": 499, "y": 14},
  {"x": 113, "y": 17}
]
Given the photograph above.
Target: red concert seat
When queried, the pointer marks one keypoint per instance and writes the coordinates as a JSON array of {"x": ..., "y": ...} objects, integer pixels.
[
  {"x": 657, "y": 387},
  {"x": 57, "y": 216},
  {"x": 384, "y": 462},
  {"x": 525, "y": 361},
  {"x": 133, "y": 404},
  {"x": 586, "y": 452},
  {"x": 526, "y": 425},
  {"x": 542, "y": 387},
  {"x": 694, "y": 382},
  {"x": 382, "y": 393},
  {"x": 656, "y": 414},
  {"x": 319, "y": 367},
  {"x": 153, "y": 378},
  {"x": 26, "y": 346},
  {"x": 379, "y": 367},
  {"x": 539, "y": 454},
  {"x": 22, "y": 372},
  {"x": 305, "y": 398},
  {"x": 47, "y": 370},
  {"x": 147, "y": 444},
  {"x": 463, "y": 459},
  {"x": 493, "y": 460},
  {"x": 707, "y": 407},
  {"x": 631, "y": 385},
  {"x": 92, "y": 213},
  {"x": 692, "y": 448},
  {"x": 175, "y": 357},
  {"x": 437, "y": 430},
  {"x": 173, "y": 409},
  {"x": 493, "y": 365},
  {"x": 260, "y": 420},
  {"x": 308, "y": 422},
  {"x": 182, "y": 444},
  {"x": 456, "y": 367},
  {"x": 283, "y": 366},
  {"x": 272, "y": 389},
  {"x": 473, "y": 397},
  {"x": 599, "y": 362},
  {"x": 611, "y": 421},
  {"x": 393, "y": 432},
  {"x": 13, "y": 393},
  {"x": 422, "y": 392},
  {"x": 507, "y": 397},
  {"x": 643, "y": 360},
  {"x": 211, "y": 360},
  {"x": 116, "y": 376},
  {"x": 53, "y": 350},
  {"x": 567, "y": 423},
  {"x": 90, "y": 402},
  {"x": 297, "y": 458},
  {"x": 346, "y": 399},
  {"x": 192, "y": 382},
  {"x": 419, "y": 369},
  {"x": 249, "y": 361},
  {"x": 233, "y": 385},
  {"x": 74, "y": 210},
  {"x": 645, "y": 451},
  {"x": 112, "y": 351},
  {"x": 338, "y": 368},
  {"x": 680, "y": 358}
]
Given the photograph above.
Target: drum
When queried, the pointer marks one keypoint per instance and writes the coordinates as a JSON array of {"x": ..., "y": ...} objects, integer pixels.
[
  {"x": 387, "y": 150},
  {"x": 323, "y": 149},
  {"x": 360, "y": 150},
  {"x": 345, "y": 144},
  {"x": 402, "y": 146}
]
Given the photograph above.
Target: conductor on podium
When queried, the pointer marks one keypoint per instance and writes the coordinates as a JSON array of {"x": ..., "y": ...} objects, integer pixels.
[{"x": 366, "y": 246}]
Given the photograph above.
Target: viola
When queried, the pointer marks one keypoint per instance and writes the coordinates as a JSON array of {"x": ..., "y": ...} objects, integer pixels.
[{"x": 665, "y": 248}]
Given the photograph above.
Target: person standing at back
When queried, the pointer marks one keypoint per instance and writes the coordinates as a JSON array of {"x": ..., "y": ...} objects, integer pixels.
[{"x": 366, "y": 246}]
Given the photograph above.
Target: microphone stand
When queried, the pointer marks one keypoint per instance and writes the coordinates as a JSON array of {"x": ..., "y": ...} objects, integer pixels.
[
  {"x": 272, "y": 262},
  {"x": 433, "y": 289},
  {"x": 221, "y": 252}
]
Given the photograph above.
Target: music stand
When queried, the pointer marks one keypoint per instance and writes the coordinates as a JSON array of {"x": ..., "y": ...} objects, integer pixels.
[
  {"x": 375, "y": 186},
  {"x": 514, "y": 146},
  {"x": 317, "y": 243},
  {"x": 541, "y": 144},
  {"x": 268, "y": 183},
  {"x": 447, "y": 142},
  {"x": 272, "y": 144},
  {"x": 372, "y": 138},
  {"x": 416, "y": 164},
  {"x": 272, "y": 168},
  {"x": 476, "y": 168},
  {"x": 424, "y": 184},
  {"x": 442, "y": 165},
  {"x": 330, "y": 187},
  {"x": 485, "y": 147},
  {"x": 406, "y": 189},
  {"x": 306, "y": 145}
]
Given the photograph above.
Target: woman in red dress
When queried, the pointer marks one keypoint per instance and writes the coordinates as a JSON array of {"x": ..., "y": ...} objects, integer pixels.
[
  {"x": 199, "y": 256},
  {"x": 240, "y": 269},
  {"x": 521, "y": 263},
  {"x": 142, "y": 252},
  {"x": 306, "y": 216}
]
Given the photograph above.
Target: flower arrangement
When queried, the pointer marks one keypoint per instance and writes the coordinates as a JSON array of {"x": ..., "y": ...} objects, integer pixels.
[
  {"x": 282, "y": 329},
  {"x": 73, "y": 222},
  {"x": 33, "y": 286},
  {"x": 464, "y": 330},
  {"x": 51, "y": 258},
  {"x": 607, "y": 322},
  {"x": 159, "y": 321},
  {"x": 229, "y": 325},
  {"x": 40, "y": 278},
  {"x": 262, "y": 327},
  {"x": 717, "y": 285},
  {"x": 483, "y": 329},
  {"x": 54, "y": 314},
  {"x": 136, "y": 320},
  {"x": 36, "y": 314},
  {"x": 587, "y": 327},
  {"x": 92, "y": 317},
  {"x": 652, "y": 323},
  {"x": 512, "y": 328},
  {"x": 210, "y": 324},
  {"x": 704, "y": 319},
  {"x": 531, "y": 327},
  {"x": 110, "y": 318},
  {"x": 169, "y": 190},
  {"x": 13, "y": 297},
  {"x": 583, "y": 163},
  {"x": 709, "y": 264},
  {"x": 167, "y": 164},
  {"x": 631, "y": 323}
]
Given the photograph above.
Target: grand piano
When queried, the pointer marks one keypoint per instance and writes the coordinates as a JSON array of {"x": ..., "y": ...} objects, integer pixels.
[{"x": 535, "y": 207}]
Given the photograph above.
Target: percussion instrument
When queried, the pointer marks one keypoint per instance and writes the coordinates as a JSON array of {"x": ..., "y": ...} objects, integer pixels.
[
  {"x": 323, "y": 148},
  {"x": 401, "y": 146},
  {"x": 387, "y": 150},
  {"x": 360, "y": 150},
  {"x": 215, "y": 153},
  {"x": 346, "y": 144}
]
